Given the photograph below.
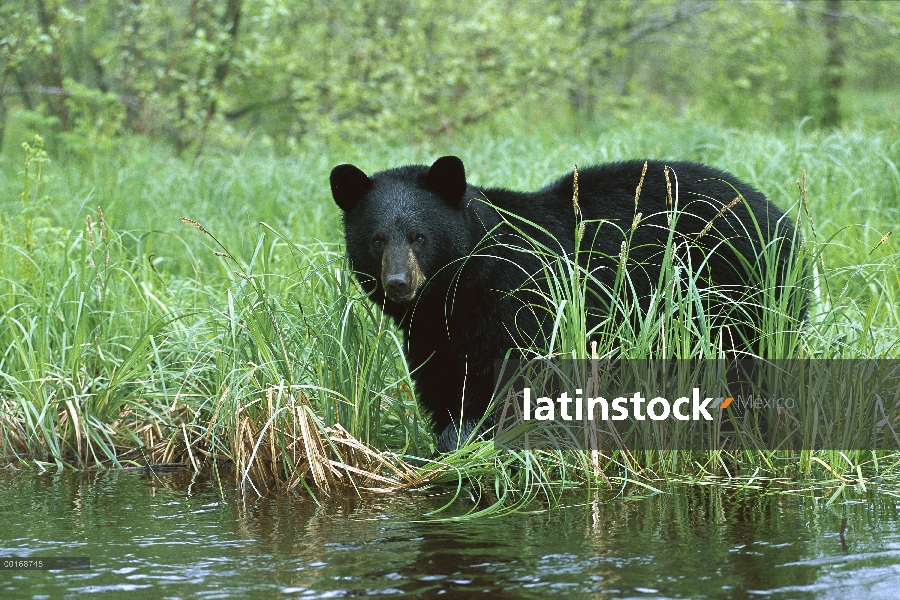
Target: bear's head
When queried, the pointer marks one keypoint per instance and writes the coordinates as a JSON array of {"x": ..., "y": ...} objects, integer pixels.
[{"x": 403, "y": 226}]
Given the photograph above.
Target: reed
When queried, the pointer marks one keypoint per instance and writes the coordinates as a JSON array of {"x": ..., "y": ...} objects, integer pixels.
[{"x": 205, "y": 315}]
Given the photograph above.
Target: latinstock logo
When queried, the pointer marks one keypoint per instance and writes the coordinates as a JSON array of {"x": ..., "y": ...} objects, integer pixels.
[
  {"x": 698, "y": 405},
  {"x": 657, "y": 409}
]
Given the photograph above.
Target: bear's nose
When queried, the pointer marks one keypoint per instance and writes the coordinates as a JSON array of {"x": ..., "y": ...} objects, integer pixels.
[{"x": 396, "y": 285}]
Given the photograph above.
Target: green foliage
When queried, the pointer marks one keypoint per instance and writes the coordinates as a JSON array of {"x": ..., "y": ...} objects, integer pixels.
[
  {"x": 35, "y": 157},
  {"x": 194, "y": 71},
  {"x": 109, "y": 358},
  {"x": 128, "y": 337},
  {"x": 130, "y": 340}
]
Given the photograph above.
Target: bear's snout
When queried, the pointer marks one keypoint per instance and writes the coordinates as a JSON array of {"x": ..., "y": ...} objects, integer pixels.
[
  {"x": 396, "y": 285},
  {"x": 401, "y": 276}
]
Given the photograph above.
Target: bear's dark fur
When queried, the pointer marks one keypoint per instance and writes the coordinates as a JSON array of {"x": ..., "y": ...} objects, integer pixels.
[{"x": 447, "y": 260}]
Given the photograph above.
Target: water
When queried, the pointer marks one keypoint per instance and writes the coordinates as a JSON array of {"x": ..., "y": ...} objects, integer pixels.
[{"x": 155, "y": 537}]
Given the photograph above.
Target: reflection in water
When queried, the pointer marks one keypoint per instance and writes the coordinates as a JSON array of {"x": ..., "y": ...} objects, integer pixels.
[{"x": 149, "y": 536}]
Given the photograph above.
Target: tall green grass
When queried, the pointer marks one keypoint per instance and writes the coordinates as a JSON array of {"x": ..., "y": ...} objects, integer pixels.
[{"x": 238, "y": 338}]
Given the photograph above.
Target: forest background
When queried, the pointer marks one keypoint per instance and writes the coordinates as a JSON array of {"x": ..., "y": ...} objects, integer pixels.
[
  {"x": 193, "y": 72},
  {"x": 127, "y": 336}
]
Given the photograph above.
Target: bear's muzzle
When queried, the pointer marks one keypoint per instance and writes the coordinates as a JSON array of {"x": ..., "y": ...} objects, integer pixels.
[{"x": 401, "y": 276}]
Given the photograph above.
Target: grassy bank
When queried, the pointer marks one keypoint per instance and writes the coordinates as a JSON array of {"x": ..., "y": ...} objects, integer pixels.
[{"x": 203, "y": 314}]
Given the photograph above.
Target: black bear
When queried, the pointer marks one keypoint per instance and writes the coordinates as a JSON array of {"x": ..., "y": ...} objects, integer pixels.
[{"x": 456, "y": 266}]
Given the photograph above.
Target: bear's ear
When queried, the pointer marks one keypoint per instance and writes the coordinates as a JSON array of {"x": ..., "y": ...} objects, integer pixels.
[
  {"x": 348, "y": 184},
  {"x": 447, "y": 177}
]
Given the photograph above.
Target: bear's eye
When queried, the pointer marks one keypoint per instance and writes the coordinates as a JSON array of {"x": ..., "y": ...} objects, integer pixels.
[
  {"x": 377, "y": 243},
  {"x": 419, "y": 239}
]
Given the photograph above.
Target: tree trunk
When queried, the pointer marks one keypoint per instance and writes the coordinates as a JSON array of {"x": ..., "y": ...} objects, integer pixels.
[
  {"x": 55, "y": 78},
  {"x": 132, "y": 61},
  {"x": 579, "y": 94},
  {"x": 230, "y": 20},
  {"x": 148, "y": 117},
  {"x": 834, "y": 66}
]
